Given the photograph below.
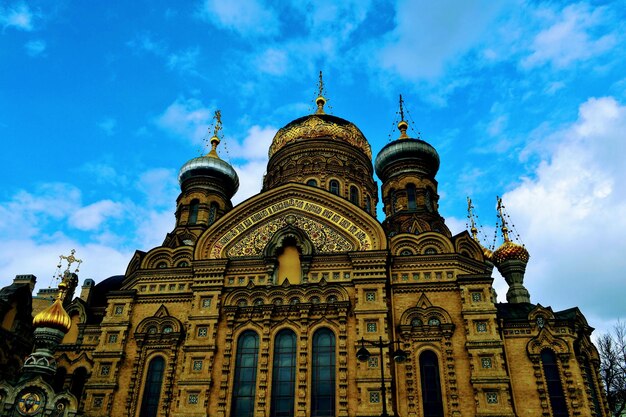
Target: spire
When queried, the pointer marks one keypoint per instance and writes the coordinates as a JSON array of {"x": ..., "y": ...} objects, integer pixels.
[
  {"x": 215, "y": 140},
  {"x": 402, "y": 125},
  {"x": 470, "y": 216},
  {"x": 474, "y": 230},
  {"x": 320, "y": 100},
  {"x": 504, "y": 228}
]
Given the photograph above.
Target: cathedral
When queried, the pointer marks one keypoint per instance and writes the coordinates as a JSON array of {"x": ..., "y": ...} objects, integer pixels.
[{"x": 301, "y": 302}]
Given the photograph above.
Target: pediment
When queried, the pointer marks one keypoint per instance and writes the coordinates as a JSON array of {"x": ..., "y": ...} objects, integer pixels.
[{"x": 331, "y": 223}]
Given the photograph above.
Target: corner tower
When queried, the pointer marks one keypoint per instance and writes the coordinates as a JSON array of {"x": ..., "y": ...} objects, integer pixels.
[
  {"x": 407, "y": 169},
  {"x": 207, "y": 184},
  {"x": 324, "y": 151}
]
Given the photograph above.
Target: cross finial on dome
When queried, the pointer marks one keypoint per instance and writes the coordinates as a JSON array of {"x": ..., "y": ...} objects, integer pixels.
[
  {"x": 504, "y": 228},
  {"x": 320, "y": 100},
  {"x": 215, "y": 140},
  {"x": 470, "y": 215},
  {"x": 402, "y": 125}
]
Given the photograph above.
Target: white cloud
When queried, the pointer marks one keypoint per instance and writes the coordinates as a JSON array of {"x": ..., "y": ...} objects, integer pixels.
[
  {"x": 457, "y": 26},
  {"x": 18, "y": 16},
  {"x": 573, "y": 213},
  {"x": 159, "y": 187},
  {"x": 92, "y": 217},
  {"x": 184, "y": 61},
  {"x": 573, "y": 36},
  {"x": 250, "y": 179},
  {"x": 256, "y": 143},
  {"x": 246, "y": 17},
  {"x": 186, "y": 118},
  {"x": 35, "y": 48},
  {"x": 108, "y": 126}
]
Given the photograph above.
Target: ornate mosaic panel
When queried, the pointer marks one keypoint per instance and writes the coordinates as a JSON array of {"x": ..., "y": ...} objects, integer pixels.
[{"x": 324, "y": 238}]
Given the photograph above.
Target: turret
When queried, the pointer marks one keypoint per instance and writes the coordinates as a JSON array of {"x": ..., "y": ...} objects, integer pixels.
[
  {"x": 407, "y": 169},
  {"x": 511, "y": 260},
  {"x": 207, "y": 184}
]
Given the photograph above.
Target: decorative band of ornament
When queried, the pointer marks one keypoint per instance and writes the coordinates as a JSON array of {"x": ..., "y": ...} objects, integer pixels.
[
  {"x": 333, "y": 223},
  {"x": 315, "y": 127},
  {"x": 324, "y": 238}
]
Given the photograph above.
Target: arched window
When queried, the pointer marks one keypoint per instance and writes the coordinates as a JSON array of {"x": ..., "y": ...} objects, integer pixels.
[
  {"x": 312, "y": 183},
  {"x": 334, "y": 187},
  {"x": 284, "y": 374},
  {"x": 354, "y": 195},
  {"x": 410, "y": 195},
  {"x": 79, "y": 377},
  {"x": 368, "y": 204},
  {"x": 213, "y": 212},
  {"x": 244, "y": 386},
  {"x": 152, "y": 388},
  {"x": 553, "y": 383},
  {"x": 323, "y": 374},
  {"x": 193, "y": 211},
  {"x": 431, "y": 385}
]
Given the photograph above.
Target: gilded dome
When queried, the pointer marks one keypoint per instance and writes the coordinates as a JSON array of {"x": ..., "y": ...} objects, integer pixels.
[
  {"x": 54, "y": 317},
  {"x": 317, "y": 126},
  {"x": 510, "y": 251},
  {"x": 407, "y": 153}
]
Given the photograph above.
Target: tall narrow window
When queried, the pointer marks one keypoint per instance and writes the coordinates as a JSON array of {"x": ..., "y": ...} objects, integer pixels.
[
  {"x": 368, "y": 204},
  {"x": 244, "y": 387},
  {"x": 431, "y": 385},
  {"x": 213, "y": 212},
  {"x": 553, "y": 382},
  {"x": 354, "y": 195},
  {"x": 410, "y": 194},
  {"x": 284, "y": 375},
  {"x": 334, "y": 187},
  {"x": 193, "y": 211},
  {"x": 152, "y": 388},
  {"x": 323, "y": 374}
]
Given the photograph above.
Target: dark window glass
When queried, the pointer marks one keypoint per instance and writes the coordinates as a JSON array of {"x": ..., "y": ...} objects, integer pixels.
[
  {"x": 284, "y": 374},
  {"x": 368, "y": 204},
  {"x": 244, "y": 387},
  {"x": 431, "y": 385},
  {"x": 354, "y": 195},
  {"x": 193, "y": 211},
  {"x": 213, "y": 212},
  {"x": 410, "y": 194},
  {"x": 323, "y": 374},
  {"x": 334, "y": 187},
  {"x": 553, "y": 382},
  {"x": 152, "y": 390},
  {"x": 312, "y": 183}
]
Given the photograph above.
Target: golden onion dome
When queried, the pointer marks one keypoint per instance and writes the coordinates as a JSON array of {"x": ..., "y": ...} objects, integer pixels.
[
  {"x": 54, "y": 316},
  {"x": 510, "y": 251},
  {"x": 318, "y": 126}
]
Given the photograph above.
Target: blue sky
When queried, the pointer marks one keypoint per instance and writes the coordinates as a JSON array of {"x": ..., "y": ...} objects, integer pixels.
[{"x": 102, "y": 102}]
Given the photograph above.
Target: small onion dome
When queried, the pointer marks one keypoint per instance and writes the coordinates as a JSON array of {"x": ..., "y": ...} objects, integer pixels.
[
  {"x": 54, "y": 317},
  {"x": 318, "y": 126},
  {"x": 510, "y": 251},
  {"x": 407, "y": 155},
  {"x": 487, "y": 253},
  {"x": 210, "y": 166}
]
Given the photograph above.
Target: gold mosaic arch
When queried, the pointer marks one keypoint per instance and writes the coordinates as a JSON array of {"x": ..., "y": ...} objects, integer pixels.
[{"x": 330, "y": 222}]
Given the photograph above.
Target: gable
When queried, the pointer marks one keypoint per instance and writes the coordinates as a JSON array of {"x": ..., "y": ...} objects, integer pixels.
[{"x": 331, "y": 223}]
